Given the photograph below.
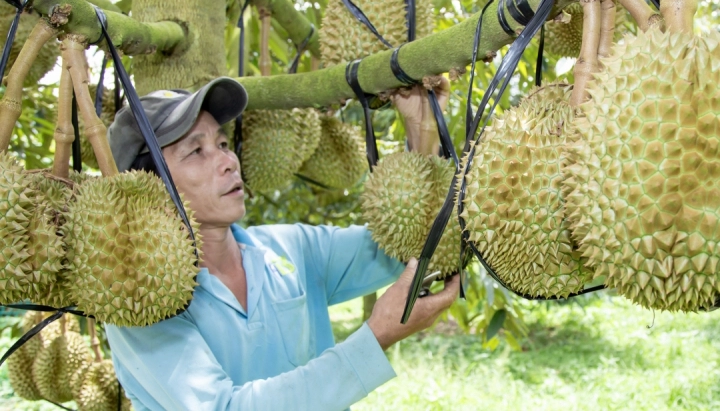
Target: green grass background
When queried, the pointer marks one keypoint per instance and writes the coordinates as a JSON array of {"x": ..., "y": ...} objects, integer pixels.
[{"x": 598, "y": 354}]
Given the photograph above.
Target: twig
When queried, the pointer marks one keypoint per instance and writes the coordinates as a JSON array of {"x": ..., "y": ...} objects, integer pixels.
[
  {"x": 73, "y": 53},
  {"x": 643, "y": 15},
  {"x": 607, "y": 27},
  {"x": 11, "y": 103},
  {"x": 265, "y": 63},
  {"x": 588, "y": 61},
  {"x": 94, "y": 341}
]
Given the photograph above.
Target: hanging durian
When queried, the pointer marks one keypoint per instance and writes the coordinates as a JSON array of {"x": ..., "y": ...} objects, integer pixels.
[
  {"x": 513, "y": 208},
  {"x": 16, "y": 207},
  {"x": 343, "y": 38},
  {"x": 66, "y": 355},
  {"x": 20, "y": 363},
  {"x": 275, "y": 144},
  {"x": 339, "y": 161},
  {"x": 132, "y": 259},
  {"x": 402, "y": 196},
  {"x": 642, "y": 175},
  {"x": 49, "y": 53},
  {"x": 563, "y": 35},
  {"x": 100, "y": 388}
]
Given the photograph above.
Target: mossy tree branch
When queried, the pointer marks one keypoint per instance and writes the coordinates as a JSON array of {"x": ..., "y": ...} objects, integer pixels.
[
  {"x": 129, "y": 35},
  {"x": 294, "y": 22},
  {"x": 432, "y": 55}
]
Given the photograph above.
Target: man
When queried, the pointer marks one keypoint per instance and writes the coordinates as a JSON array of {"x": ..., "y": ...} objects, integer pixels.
[{"x": 257, "y": 334}]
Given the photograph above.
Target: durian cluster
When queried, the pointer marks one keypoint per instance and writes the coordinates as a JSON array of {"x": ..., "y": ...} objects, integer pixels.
[
  {"x": 402, "y": 196},
  {"x": 343, "y": 38},
  {"x": 85, "y": 243},
  {"x": 49, "y": 53},
  {"x": 278, "y": 144},
  {"x": 57, "y": 365}
]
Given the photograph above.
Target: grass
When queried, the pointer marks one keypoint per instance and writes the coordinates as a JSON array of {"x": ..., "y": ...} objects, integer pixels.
[
  {"x": 596, "y": 355},
  {"x": 600, "y": 355}
]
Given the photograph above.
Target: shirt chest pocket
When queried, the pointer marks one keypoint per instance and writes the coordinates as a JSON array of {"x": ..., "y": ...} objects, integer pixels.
[{"x": 293, "y": 320}]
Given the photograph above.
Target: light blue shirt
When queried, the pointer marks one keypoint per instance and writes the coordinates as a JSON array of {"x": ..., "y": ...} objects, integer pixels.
[{"x": 280, "y": 354}]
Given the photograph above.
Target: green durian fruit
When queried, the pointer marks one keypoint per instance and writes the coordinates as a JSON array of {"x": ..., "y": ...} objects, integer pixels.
[
  {"x": 343, "y": 38},
  {"x": 49, "y": 53},
  {"x": 563, "y": 35},
  {"x": 275, "y": 144},
  {"x": 513, "y": 206},
  {"x": 133, "y": 262},
  {"x": 16, "y": 207},
  {"x": 51, "y": 369},
  {"x": 339, "y": 161},
  {"x": 99, "y": 391},
  {"x": 20, "y": 363},
  {"x": 642, "y": 174}
]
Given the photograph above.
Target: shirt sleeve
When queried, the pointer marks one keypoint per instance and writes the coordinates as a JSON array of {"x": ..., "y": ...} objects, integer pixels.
[
  {"x": 350, "y": 262},
  {"x": 168, "y": 366}
]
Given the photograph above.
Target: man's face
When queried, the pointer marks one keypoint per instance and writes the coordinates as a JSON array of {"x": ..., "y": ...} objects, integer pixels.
[{"x": 207, "y": 173}]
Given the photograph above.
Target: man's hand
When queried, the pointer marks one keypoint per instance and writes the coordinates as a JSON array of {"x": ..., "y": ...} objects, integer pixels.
[
  {"x": 385, "y": 318},
  {"x": 420, "y": 124}
]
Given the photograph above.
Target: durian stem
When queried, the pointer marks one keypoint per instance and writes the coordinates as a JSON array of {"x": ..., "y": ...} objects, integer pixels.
[
  {"x": 94, "y": 341},
  {"x": 63, "y": 324},
  {"x": 128, "y": 34},
  {"x": 643, "y": 15},
  {"x": 679, "y": 14},
  {"x": 265, "y": 63},
  {"x": 11, "y": 103},
  {"x": 73, "y": 53},
  {"x": 293, "y": 21},
  {"x": 314, "y": 63},
  {"x": 64, "y": 131},
  {"x": 587, "y": 63},
  {"x": 607, "y": 27}
]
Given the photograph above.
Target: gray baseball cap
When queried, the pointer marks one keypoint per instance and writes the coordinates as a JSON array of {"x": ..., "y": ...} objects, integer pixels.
[{"x": 172, "y": 113}]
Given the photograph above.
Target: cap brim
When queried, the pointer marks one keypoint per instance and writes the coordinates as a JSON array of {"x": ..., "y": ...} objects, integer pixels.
[{"x": 224, "y": 98}]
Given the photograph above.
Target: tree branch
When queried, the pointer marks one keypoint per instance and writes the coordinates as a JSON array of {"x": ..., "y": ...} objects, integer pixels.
[
  {"x": 293, "y": 21},
  {"x": 128, "y": 34},
  {"x": 431, "y": 55}
]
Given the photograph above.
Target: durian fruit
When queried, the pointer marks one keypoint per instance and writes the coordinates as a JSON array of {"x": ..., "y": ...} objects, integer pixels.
[
  {"x": 275, "y": 144},
  {"x": 513, "y": 207},
  {"x": 100, "y": 389},
  {"x": 339, "y": 161},
  {"x": 402, "y": 197},
  {"x": 132, "y": 258},
  {"x": 16, "y": 207},
  {"x": 20, "y": 363},
  {"x": 642, "y": 175},
  {"x": 49, "y": 53},
  {"x": 54, "y": 366},
  {"x": 343, "y": 38},
  {"x": 563, "y": 35}
]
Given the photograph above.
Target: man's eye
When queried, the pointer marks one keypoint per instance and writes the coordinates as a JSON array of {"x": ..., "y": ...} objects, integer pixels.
[
  {"x": 196, "y": 151},
  {"x": 224, "y": 145}
]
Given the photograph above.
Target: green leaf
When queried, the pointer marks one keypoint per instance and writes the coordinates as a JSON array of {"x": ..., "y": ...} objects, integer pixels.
[{"x": 495, "y": 324}]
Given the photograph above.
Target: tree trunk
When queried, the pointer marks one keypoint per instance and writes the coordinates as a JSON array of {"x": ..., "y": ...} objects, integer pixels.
[{"x": 204, "y": 58}]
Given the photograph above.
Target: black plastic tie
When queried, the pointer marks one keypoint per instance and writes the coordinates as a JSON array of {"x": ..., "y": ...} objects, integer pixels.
[
  {"x": 399, "y": 73},
  {"x": 539, "y": 65},
  {"x": 351, "y": 76},
  {"x": 31, "y": 333},
  {"x": 76, "y": 147},
  {"x": 362, "y": 18},
  {"x": 11, "y": 35},
  {"x": 411, "y": 19},
  {"x": 502, "y": 19}
]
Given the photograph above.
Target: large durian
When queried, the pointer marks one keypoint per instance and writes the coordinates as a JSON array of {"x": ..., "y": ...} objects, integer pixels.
[
  {"x": 642, "y": 176},
  {"x": 343, "y": 38},
  {"x": 100, "y": 389},
  {"x": 513, "y": 207},
  {"x": 132, "y": 258},
  {"x": 339, "y": 161},
  {"x": 49, "y": 53},
  {"x": 66, "y": 355},
  {"x": 563, "y": 35},
  {"x": 275, "y": 144},
  {"x": 401, "y": 199},
  {"x": 16, "y": 207}
]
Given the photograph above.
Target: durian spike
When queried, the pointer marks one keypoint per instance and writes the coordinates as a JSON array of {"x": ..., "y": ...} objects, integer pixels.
[
  {"x": 643, "y": 15},
  {"x": 73, "y": 53},
  {"x": 587, "y": 63},
  {"x": 11, "y": 103},
  {"x": 678, "y": 15},
  {"x": 265, "y": 20},
  {"x": 94, "y": 341},
  {"x": 607, "y": 27},
  {"x": 64, "y": 131}
]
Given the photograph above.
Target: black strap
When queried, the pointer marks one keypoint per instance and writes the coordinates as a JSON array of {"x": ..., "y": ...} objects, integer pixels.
[
  {"x": 300, "y": 50},
  {"x": 76, "y": 147},
  {"x": 656, "y": 3},
  {"x": 11, "y": 35},
  {"x": 476, "y": 45},
  {"x": 362, "y": 18},
  {"x": 100, "y": 87},
  {"x": 237, "y": 133},
  {"x": 410, "y": 19},
  {"x": 521, "y": 11},
  {"x": 46, "y": 308},
  {"x": 145, "y": 128},
  {"x": 351, "y": 76},
  {"x": 502, "y": 19},
  {"x": 539, "y": 64}
]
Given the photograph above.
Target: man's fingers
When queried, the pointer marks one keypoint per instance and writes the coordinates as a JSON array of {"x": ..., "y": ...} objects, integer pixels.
[
  {"x": 409, "y": 273},
  {"x": 447, "y": 296}
]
